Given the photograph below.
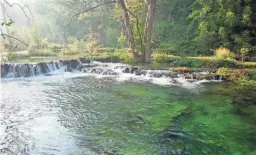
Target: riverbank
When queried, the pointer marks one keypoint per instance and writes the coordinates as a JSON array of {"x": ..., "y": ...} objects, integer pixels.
[{"x": 231, "y": 70}]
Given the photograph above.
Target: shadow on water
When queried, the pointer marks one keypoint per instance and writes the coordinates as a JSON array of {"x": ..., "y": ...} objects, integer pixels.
[{"x": 84, "y": 115}]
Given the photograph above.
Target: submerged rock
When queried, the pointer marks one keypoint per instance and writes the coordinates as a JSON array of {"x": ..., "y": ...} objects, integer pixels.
[
  {"x": 202, "y": 76},
  {"x": 164, "y": 74},
  {"x": 140, "y": 72},
  {"x": 133, "y": 69},
  {"x": 74, "y": 64},
  {"x": 126, "y": 70},
  {"x": 109, "y": 72},
  {"x": 96, "y": 70},
  {"x": 180, "y": 69}
]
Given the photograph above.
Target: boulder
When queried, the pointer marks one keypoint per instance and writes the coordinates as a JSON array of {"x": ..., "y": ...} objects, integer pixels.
[
  {"x": 140, "y": 72},
  {"x": 164, "y": 74},
  {"x": 133, "y": 69},
  {"x": 96, "y": 70},
  {"x": 126, "y": 70},
  {"x": 109, "y": 72},
  {"x": 180, "y": 69},
  {"x": 74, "y": 64}
]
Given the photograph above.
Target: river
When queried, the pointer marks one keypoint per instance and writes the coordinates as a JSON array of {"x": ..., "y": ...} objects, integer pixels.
[{"x": 76, "y": 113}]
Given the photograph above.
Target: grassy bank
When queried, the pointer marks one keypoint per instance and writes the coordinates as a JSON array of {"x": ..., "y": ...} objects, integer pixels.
[{"x": 232, "y": 70}]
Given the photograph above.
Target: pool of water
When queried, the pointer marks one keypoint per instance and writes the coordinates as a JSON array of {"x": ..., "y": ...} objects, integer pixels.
[{"x": 75, "y": 114}]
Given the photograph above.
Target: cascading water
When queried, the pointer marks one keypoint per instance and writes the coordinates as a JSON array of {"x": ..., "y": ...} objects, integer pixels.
[
  {"x": 121, "y": 72},
  {"x": 90, "y": 107}
]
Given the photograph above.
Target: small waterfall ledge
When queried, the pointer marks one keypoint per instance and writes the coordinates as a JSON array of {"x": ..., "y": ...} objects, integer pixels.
[{"x": 101, "y": 67}]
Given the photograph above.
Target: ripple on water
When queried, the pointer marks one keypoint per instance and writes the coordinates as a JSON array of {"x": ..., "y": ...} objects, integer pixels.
[{"x": 86, "y": 115}]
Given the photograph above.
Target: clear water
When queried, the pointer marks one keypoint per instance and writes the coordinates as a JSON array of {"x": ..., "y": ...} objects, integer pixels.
[{"x": 75, "y": 114}]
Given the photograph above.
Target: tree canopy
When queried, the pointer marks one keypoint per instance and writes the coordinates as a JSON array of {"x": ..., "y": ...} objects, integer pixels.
[{"x": 180, "y": 27}]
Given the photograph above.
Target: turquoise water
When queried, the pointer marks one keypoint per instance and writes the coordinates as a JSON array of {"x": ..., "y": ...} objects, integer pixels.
[{"x": 85, "y": 115}]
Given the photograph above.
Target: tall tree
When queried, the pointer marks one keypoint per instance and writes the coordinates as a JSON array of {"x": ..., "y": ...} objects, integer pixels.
[
  {"x": 128, "y": 27},
  {"x": 151, "y": 9}
]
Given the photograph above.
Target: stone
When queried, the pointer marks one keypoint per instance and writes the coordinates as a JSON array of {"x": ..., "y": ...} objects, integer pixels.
[
  {"x": 109, "y": 72},
  {"x": 74, "y": 64},
  {"x": 180, "y": 69},
  {"x": 96, "y": 70},
  {"x": 126, "y": 70},
  {"x": 140, "y": 72},
  {"x": 133, "y": 69}
]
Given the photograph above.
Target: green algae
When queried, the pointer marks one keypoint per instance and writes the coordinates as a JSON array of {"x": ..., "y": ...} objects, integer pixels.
[
  {"x": 219, "y": 127},
  {"x": 131, "y": 118}
]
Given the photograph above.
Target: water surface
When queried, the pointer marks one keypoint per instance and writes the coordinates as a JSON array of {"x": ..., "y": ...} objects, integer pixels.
[{"x": 75, "y": 114}]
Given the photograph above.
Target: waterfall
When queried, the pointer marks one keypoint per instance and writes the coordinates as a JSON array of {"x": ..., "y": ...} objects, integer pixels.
[
  {"x": 28, "y": 70},
  {"x": 118, "y": 71}
]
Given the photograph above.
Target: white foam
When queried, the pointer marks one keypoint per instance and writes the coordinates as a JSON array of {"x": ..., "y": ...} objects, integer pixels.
[{"x": 123, "y": 77}]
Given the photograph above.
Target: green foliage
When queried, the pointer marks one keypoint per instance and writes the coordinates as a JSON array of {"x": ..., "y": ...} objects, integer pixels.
[
  {"x": 226, "y": 72},
  {"x": 121, "y": 54},
  {"x": 160, "y": 57},
  {"x": 68, "y": 51},
  {"x": 75, "y": 46},
  {"x": 42, "y": 52},
  {"x": 15, "y": 56},
  {"x": 238, "y": 75},
  {"x": 171, "y": 30},
  {"x": 244, "y": 52},
  {"x": 224, "y": 53},
  {"x": 181, "y": 28},
  {"x": 227, "y": 22},
  {"x": 36, "y": 40}
]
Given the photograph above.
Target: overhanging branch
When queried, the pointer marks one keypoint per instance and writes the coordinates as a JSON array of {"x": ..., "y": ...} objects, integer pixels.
[
  {"x": 82, "y": 12},
  {"x": 4, "y": 35},
  {"x": 23, "y": 9}
]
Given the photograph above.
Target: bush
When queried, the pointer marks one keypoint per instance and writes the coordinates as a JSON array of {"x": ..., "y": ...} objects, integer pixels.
[
  {"x": 226, "y": 63},
  {"x": 67, "y": 51},
  {"x": 160, "y": 57},
  {"x": 251, "y": 74},
  {"x": 224, "y": 53},
  {"x": 190, "y": 62},
  {"x": 232, "y": 74},
  {"x": 108, "y": 50},
  {"x": 42, "y": 52},
  {"x": 14, "y": 56},
  {"x": 121, "y": 54}
]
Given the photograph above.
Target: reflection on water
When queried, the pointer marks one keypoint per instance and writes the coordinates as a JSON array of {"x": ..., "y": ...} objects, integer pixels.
[{"x": 84, "y": 115}]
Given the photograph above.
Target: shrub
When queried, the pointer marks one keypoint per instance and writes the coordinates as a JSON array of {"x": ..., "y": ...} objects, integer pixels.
[
  {"x": 244, "y": 52},
  {"x": 121, "y": 54},
  {"x": 160, "y": 57},
  {"x": 226, "y": 63},
  {"x": 225, "y": 72},
  {"x": 224, "y": 53},
  {"x": 181, "y": 69},
  {"x": 251, "y": 74},
  {"x": 42, "y": 52},
  {"x": 108, "y": 50},
  {"x": 67, "y": 51},
  {"x": 14, "y": 56},
  {"x": 232, "y": 75}
]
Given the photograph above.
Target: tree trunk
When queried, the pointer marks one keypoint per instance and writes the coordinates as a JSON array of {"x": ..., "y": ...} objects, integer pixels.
[
  {"x": 64, "y": 38},
  {"x": 151, "y": 9},
  {"x": 129, "y": 31},
  {"x": 10, "y": 45}
]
